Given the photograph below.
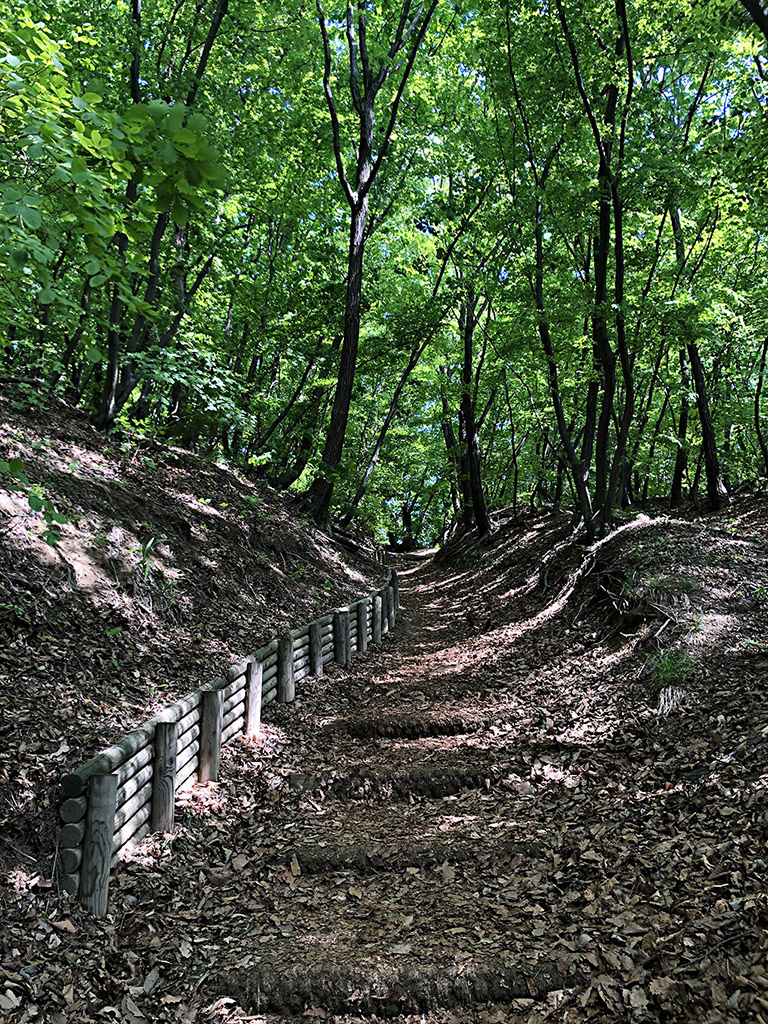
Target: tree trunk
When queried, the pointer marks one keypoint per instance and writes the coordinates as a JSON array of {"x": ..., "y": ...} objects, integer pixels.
[
  {"x": 681, "y": 458},
  {"x": 716, "y": 490},
  {"x": 758, "y": 395},
  {"x": 407, "y": 36},
  {"x": 321, "y": 491},
  {"x": 467, "y": 322}
]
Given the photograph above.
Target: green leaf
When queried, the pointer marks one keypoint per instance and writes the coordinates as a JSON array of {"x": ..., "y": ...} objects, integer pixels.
[
  {"x": 180, "y": 213},
  {"x": 32, "y": 218},
  {"x": 168, "y": 154}
]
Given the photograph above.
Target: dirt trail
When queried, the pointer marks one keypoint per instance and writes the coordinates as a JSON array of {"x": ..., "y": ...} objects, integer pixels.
[
  {"x": 480, "y": 824},
  {"x": 491, "y": 818}
]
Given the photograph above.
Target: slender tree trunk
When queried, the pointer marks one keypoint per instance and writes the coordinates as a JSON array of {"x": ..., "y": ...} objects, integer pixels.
[
  {"x": 467, "y": 323},
  {"x": 321, "y": 491},
  {"x": 758, "y": 395},
  {"x": 76, "y": 336},
  {"x": 681, "y": 457},
  {"x": 461, "y": 497},
  {"x": 364, "y": 89},
  {"x": 716, "y": 490}
]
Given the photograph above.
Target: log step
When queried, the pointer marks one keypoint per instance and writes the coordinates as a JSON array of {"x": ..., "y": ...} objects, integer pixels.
[
  {"x": 421, "y": 781},
  {"x": 367, "y": 858},
  {"x": 388, "y": 986},
  {"x": 414, "y": 727}
]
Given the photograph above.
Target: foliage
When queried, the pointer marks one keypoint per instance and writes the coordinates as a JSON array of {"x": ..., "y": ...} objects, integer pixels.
[{"x": 173, "y": 247}]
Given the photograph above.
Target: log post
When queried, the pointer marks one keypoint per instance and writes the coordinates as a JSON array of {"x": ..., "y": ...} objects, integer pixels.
[
  {"x": 341, "y": 644},
  {"x": 391, "y": 606},
  {"x": 384, "y": 592},
  {"x": 210, "y": 735},
  {"x": 395, "y": 584},
  {"x": 315, "y": 649},
  {"x": 253, "y": 676},
  {"x": 164, "y": 777},
  {"x": 362, "y": 625},
  {"x": 376, "y": 620},
  {"x": 97, "y": 846},
  {"x": 286, "y": 686}
]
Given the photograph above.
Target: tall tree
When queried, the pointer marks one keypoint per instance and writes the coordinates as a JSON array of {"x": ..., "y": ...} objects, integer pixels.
[{"x": 369, "y": 70}]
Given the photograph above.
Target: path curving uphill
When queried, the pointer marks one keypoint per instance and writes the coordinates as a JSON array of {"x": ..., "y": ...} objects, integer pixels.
[
  {"x": 406, "y": 856},
  {"x": 497, "y": 816}
]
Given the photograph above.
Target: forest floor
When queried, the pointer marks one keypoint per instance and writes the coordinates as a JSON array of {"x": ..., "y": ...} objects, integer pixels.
[
  {"x": 170, "y": 568},
  {"x": 542, "y": 799}
]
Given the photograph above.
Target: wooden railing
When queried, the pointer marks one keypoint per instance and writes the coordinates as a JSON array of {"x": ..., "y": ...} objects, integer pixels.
[{"x": 128, "y": 790}]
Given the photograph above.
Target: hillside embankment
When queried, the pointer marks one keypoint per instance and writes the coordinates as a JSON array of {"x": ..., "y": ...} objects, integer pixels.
[{"x": 169, "y": 568}]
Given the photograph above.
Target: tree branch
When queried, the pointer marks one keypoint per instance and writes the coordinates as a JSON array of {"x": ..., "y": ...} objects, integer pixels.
[{"x": 348, "y": 191}]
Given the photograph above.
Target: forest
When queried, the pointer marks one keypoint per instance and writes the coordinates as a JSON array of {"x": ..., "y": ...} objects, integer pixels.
[
  {"x": 396, "y": 370},
  {"x": 413, "y": 262}
]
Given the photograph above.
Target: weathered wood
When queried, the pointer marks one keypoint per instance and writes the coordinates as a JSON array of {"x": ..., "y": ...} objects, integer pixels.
[
  {"x": 235, "y": 698},
  {"x": 132, "y": 831},
  {"x": 269, "y": 673},
  {"x": 69, "y": 882},
  {"x": 269, "y": 697},
  {"x": 265, "y": 652},
  {"x": 286, "y": 687},
  {"x": 185, "y": 757},
  {"x": 234, "y": 727},
  {"x": 376, "y": 620},
  {"x": 189, "y": 721},
  {"x": 134, "y": 784},
  {"x": 299, "y": 634},
  {"x": 238, "y": 669},
  {"x": 391, "y": 606},
  {"x": 71, "y": 835},
  {"x": 73, "y": 809},
  {"x": 69, "y": 860},
  {"x": 234, "y": 690},
  {"x": 302, "y": 649},
  {"x": 272, "y": 659},
  {"x": 131, "y": 768},
  {"x": 325, "y": 620},
  {"x": 384, "y": 612},
  {"x": 130, "y": 807},
  {"x": 395, "y": 584},
  {"x": 301, "y": 673},
  {"x": 186, "y": 775},
  {"x": 361, "y": 614},
  {"x": 341, "y": 637},
  {"x": 186, "y": 739},
  {"x": 97, "y": 846},
  {"x": 236, "y": 711},
  {"x": 210, "y": 736},
  {"x": 164, "y": 778},
  {"x": 109, "y": 760},
  {"x": 299, "y": 664},
  {"x": 253, "y": 685}
]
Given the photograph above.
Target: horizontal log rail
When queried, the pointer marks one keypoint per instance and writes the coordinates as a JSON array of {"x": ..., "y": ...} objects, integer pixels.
[{"x": 116, "y": 798}]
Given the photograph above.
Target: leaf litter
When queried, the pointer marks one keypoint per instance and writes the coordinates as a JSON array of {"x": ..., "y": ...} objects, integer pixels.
[{"x": 580, "y": 851}]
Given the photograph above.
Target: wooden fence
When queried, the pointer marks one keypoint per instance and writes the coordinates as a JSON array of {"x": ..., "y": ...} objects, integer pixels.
[{"x": 128, "y": 790}]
